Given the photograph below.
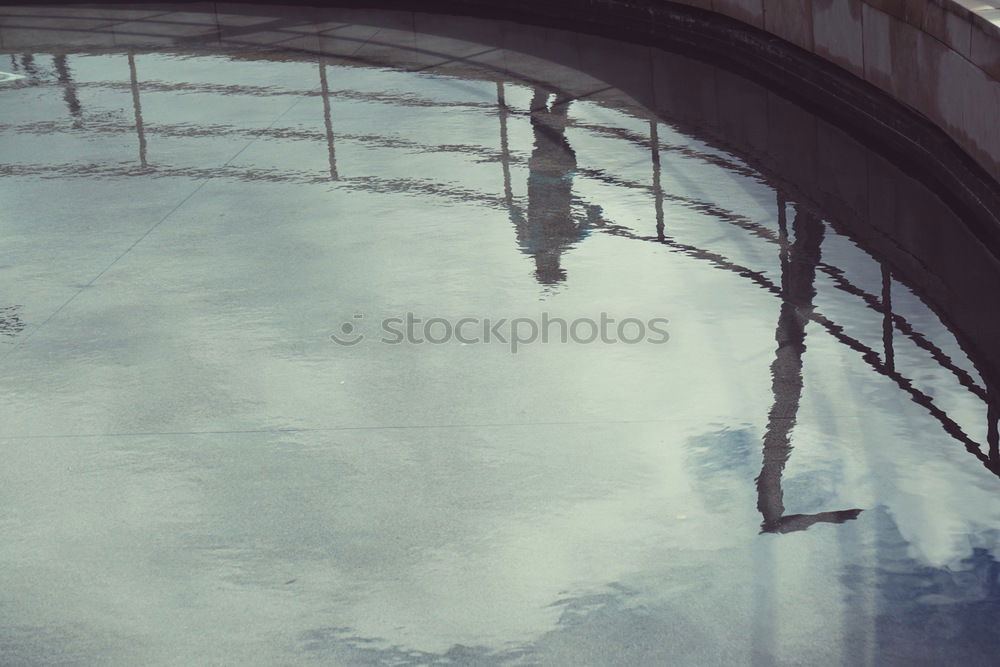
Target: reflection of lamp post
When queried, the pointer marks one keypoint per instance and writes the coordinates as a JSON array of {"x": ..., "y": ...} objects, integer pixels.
[
  {"x": 325, "y": 91},
  {"x": 508, "y": 193},
  {"x": 137, "y": 109},
  {"x": 654, "y": 144},
  {"x": 28, "y": 64},
  {"x": 887, "y": 326},
  {"x": 69, "y": 89},
  {"x": 798, "y": 271}
]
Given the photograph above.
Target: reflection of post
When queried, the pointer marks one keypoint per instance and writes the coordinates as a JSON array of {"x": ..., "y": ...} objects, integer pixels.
[
  {"x": 69, "y": 88},
  {"x": 798, "y": 273},
  {"x": 28, "y": 63},
  {"x": 508, "y": 193},
  {"x": 325, "y": 90},
  {"x": 890, "y": 355},
  {"x": 137, "y": 109},
  {"x": 654, "y": 144},
  {"x": 783, "y": 235}
]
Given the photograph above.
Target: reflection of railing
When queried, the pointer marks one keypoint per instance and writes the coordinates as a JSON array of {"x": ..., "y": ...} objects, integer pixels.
[
  {"x": 549, "y": 135},
  {"x": 794, "y": 314}
]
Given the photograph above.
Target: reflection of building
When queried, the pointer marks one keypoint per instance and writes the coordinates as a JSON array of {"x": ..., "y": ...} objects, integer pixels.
[{"x": 549, "y": 229}]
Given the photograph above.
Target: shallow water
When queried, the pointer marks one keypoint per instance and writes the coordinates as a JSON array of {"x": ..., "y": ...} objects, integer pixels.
[{"x": 215, "y": 454}]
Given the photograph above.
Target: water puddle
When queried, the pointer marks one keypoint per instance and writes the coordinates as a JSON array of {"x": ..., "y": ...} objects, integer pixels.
[{"x": 421, "y": 350}]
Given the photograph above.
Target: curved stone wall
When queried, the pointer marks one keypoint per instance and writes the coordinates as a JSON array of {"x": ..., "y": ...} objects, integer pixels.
[{"x": 940, "y": 57}]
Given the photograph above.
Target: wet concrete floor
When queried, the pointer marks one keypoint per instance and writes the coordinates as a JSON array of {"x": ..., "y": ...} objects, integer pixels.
[{"x": 330, "y": 339}]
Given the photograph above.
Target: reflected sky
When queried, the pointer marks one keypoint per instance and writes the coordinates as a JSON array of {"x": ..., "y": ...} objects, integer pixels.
[{"x": 805, "y": 473}]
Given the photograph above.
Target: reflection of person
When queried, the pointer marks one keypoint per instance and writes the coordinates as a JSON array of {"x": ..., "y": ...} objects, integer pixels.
[{"x": 549, "y": 228}]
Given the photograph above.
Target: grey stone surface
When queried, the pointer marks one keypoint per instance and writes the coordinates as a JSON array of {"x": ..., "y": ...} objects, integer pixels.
[
  {"x": 838, "y": 34},
  {"x": 883, "y": 42}
]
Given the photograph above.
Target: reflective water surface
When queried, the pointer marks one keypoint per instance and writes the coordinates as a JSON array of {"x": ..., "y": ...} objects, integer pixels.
[{"x": 196, "y": 472}]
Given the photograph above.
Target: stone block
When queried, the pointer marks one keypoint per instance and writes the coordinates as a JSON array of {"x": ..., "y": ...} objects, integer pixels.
[
  {"x": 748, "y": 11},
  {"x": 838, "y": 34},
  {"x": 985, "y": 47},
  {"x": 948, "y": 27},
  {"x": 791, "y": 20},
  {"x": 877, "y": 47}
]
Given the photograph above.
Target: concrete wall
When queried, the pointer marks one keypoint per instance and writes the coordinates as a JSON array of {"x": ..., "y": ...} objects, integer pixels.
[{"x": 940, "y": 57}]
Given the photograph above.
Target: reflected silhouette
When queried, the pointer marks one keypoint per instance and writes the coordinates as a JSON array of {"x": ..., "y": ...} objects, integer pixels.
[
  {"x": 549, "y": 229},
  {"x": 798, "y": 273}
]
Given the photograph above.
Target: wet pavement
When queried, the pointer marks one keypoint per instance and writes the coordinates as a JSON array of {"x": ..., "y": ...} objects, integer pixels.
[{"x": 227, "y": 439}]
